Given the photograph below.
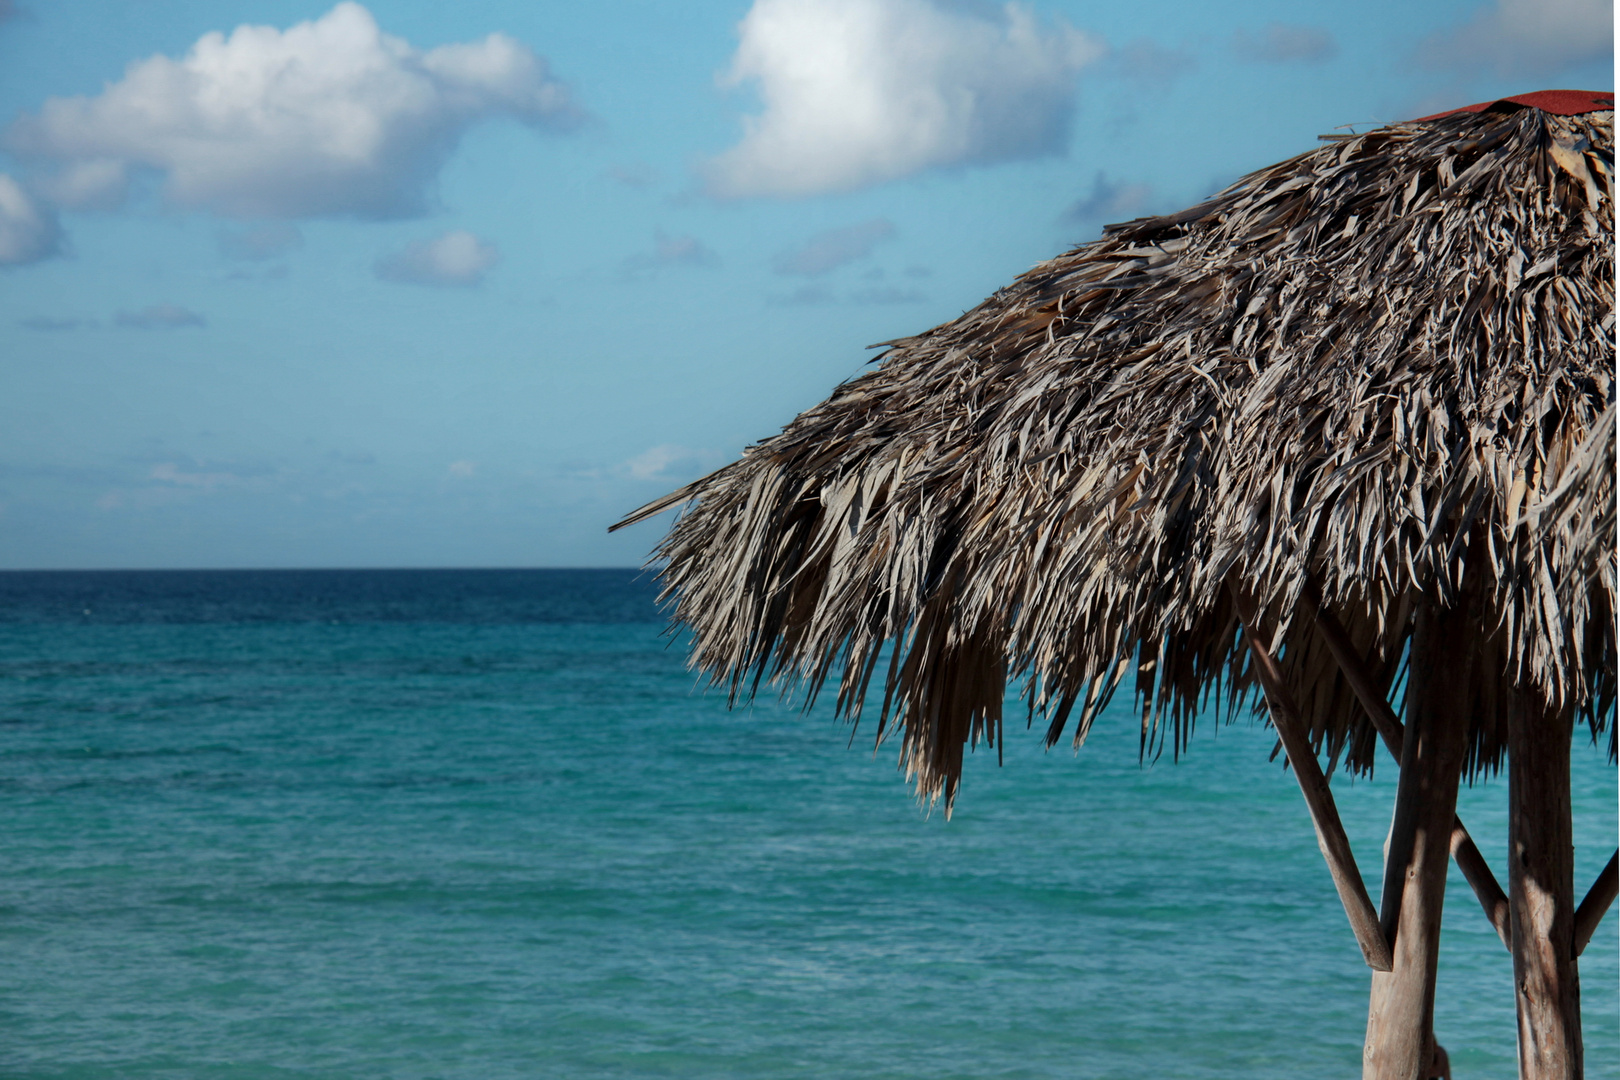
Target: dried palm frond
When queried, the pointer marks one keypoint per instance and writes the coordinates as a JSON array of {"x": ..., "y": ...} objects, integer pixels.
[{"x": 1354, "y": 374}]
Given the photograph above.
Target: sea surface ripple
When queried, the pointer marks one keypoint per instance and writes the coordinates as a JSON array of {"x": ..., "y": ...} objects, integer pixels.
[{"x": 485, "y": 825}]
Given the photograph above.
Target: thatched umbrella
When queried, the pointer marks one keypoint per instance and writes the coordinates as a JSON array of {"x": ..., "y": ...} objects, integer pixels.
[{"x": 1348, "y": 426}]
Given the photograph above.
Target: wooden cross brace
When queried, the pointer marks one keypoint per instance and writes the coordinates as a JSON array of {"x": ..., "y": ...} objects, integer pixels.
[
  {"x": 1463, "y": 849},
  {"x": 1330, "y": 835},
  {"x": 1372, "y": 933}
]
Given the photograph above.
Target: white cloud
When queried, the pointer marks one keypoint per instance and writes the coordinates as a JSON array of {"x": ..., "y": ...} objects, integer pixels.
[
  {"x": 169, "y": 472},
  {"x": 669, "y": 462},
  {"x": 887, "y": 294},
  {"x": 1110, "y": 200},
  {"x": 463, "y": 469},
  {"x": 858, "y": 92},
  {"x": 50, "y": 324},
  {"x": 827, "y": 251},
  {"x": 1528, "y": 38},
  {"x": 28, "y": 231},
  {"x": 260, "y": 242},
  {"x": 682, "y": 250},
  {"x": 453, "y": 258},
  {"x": 327, "y": 118},
  {"x": 811, "y": 295},
  {"x": 94, "y": 184},
  {"x": 159, "y": 317},
  {"x": 1149, "y": 64},
  {"x": 677, "y": 250},
  {"x": 1281, "y": 43},
  {"x": 170, "y": 481},
  {"x": 634, "y": 174}
]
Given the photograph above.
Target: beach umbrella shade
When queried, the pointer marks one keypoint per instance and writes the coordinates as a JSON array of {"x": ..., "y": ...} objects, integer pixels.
[{"x": 1344, "y": 430}]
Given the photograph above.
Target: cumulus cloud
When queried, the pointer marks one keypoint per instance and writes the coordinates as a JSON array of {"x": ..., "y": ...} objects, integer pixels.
[
  {"x": 827, "y": 251},
  {"x": 678, "y": 250},
  {"x": 1110, "y": 200},
  {"x": 887, "y": 294},
  {"x": 682, "y": 251},
  {"x": 811, "y": 295},
  {"x": 185, "y": 475},
  {"x": 328, "y": 118},
  {"x": 260, "y": 242},
  {"x": 29, "y": 232},
  {"x": 1281, "y": 43},
  {"x": 670, "y": 461},
  {"x": 634, "y": 174},
  {"x": 1147, "y": 63},
  {"x": 96, "y": 184},
  {"x": 453, "y": 258},
  {"x": 858, "y": 92},
  {"x": 1528, "y": 38},
  {"x": 159, "y": 317},
  {"x": 54, "y": 325}
]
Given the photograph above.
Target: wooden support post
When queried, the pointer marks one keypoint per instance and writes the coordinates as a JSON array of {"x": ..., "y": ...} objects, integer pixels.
[
  {"x": 1541, "y": 887},
  {"x": 1400, "y": 1013},
  {"x": 1474, "y": 868},
  {"x": 1596, "y": 904},
  {"x": 1330, "y": 836}
]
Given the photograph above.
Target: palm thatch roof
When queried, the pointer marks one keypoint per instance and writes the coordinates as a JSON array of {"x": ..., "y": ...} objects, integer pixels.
[{"x": 1342, "y": 380}]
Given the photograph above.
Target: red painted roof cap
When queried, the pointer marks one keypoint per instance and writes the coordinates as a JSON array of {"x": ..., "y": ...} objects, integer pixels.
[{"x": 1560, "y": 102}]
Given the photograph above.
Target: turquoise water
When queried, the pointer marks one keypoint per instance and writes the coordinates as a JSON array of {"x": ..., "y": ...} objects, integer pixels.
[{"x": 481, "y": 826}]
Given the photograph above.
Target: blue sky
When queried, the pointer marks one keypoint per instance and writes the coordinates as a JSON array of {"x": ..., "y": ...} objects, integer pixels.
[{"x": 413, "y": 284}]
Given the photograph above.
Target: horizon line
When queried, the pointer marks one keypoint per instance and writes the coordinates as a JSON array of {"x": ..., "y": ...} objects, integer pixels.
[{"x": 294, "y": 569}]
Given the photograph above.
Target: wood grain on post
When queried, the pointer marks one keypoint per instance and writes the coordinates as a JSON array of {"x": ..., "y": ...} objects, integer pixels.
[
  {"x": 1400, "y": 1009},
  {"x": 1330, "y": 835},
  {"x": 1492, "y": 898},
  {"x": 1596, "y": 904},
  {"x": 1541, "y": 883}
]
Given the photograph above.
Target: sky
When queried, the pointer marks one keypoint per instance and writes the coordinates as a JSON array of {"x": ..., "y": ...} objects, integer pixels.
[{"x": 289, "y": 284}]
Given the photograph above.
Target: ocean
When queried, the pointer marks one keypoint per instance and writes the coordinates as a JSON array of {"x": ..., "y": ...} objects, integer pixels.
[{"x": 486, "y": 825}]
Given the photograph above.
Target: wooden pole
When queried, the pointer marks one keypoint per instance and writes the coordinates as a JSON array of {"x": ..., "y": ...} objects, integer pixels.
[
  {"x": 1400, "y": 1014},
  {"x": 1330, "y": 836},
  {"x": 1464, "y": 851},
  {"x": 1541, "y": 890},
  {"x": 1596, "y": 904}
]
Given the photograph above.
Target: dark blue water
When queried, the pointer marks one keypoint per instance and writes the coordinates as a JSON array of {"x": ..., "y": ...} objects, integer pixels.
[{"x": 481, "y": 825}]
